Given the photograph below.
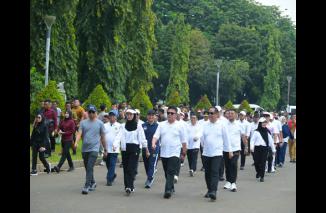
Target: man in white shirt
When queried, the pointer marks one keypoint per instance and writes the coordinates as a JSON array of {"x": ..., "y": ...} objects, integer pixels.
[
  {"x": 172, "y": 136},
  {"x": 274, "y": 132},
  {"x": 236, "y": 133},
  {"x": 278, "y": 124},
  {"x": 253, "y": 127},
  {"x": 202, "y": 122},
  {"x": 112, "y": 129},
  {"x": 215, "y": 139},
  {"x": 194, "y": 135},
  {"x": 244, "y": 141}
]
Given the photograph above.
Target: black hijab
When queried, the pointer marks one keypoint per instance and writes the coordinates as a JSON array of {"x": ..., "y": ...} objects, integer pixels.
[
  {"x": 263, "y": 132},
  {"x": 131, "y": 125}
]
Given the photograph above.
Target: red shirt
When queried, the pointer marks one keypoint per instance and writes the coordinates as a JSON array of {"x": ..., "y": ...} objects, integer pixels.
[
  {"x": 50, "y": 114},
  {"x": 68, "y": 127}
]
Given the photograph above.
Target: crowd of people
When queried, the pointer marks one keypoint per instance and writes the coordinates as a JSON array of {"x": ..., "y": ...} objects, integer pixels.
[{"x": 170, "y": 134}]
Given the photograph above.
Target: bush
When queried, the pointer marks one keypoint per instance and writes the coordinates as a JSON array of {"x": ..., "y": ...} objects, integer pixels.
[
  {"x": 49, "y": 92},
  {"x": 173, "y": 99},
  {"x": 36, "y": 83},
  {"x": 142, "y": 102},
  {"x": 229, "y": 105},
  {"x": 203, "y": 103},
  {"x": 245, "y": 106},
  {"x": 97, "y": 98}
]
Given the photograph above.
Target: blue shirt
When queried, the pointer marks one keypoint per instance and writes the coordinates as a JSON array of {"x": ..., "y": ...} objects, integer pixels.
[{"x": 149, "y": 130}]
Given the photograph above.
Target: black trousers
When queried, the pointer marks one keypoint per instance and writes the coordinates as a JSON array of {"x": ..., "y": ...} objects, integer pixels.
[
  {"x": 170, "y": 166},
  {"x": 243, "y": 156},
  {"x": 180, "y": 161},
  {"x": 192, "y": 155},
  {"x": 66, "y": 154},
  {"x": 269, "y": 159},
  {"x": 221, "y": 171},
  {"x": 123, "y": 158},
  {"x": 212, "y": 167},
  {"x": 35, "y": 151},
  {"x": 130, "y": 163},
  {"x": 231, "y": 166},
  {"x": 52, "y": 140},
  {"x": 201, "y": 155},
  {"x": 260, "y": 156}
]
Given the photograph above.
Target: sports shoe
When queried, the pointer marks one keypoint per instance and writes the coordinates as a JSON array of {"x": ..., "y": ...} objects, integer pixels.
[
  {"x": 167, "y": 194},
  {"x": 34, "y": 173},
  {"x": 221, "y": 178},
  {"x": 49, "y": 170},
  {"x": 85, "y": 190},
  {"x": 257, "y": 176},
  {"x": 227, "y": 185},
  {"x": 175, "y": 179},
  {"x": 182, "y": 164},
  {"x": 202, "y": 169},
  {"x": 147, "y": 184},
  {"x": 233, "y": 187},
  {"x": 212, "y": 196},
  {"x": 206, "y": 195},
  {"x": 109, "y": 183},
  {"x": 261, "y": 179},
  {"x": 241, "y": 168},
  {"x": 56, "y": 169},
  {"x": 191, "y": 173},
  {"x": 93, "y": 186},
  {"x": 281, "y": 165},
  {"x": 102, "y": 163},
  {"x": 128, "y": 191}
]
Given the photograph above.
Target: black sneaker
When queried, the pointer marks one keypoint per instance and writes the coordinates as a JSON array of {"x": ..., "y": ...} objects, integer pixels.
[
  {"x": 128, "y": 191},
  {"x": 108, "y": 183},
  {"x": 71, "y": 169},
  {"x": 206, "y": 195},
  {"x": 212, "y": 196},
  {"x": 56, "y": 169},
  {"x": 261, "y": 179},
  {"x": 167, "y": 194},
  {"x": 49, "y": 170},
  {"x": 121, "y": 165},
  {"x": 114, "y": 176},
  {"x": 257, "y": 175},
  {"x": 241, "y": 168},
  {"x": 93, "y": 186},
  {"x": 202, "y": 169},
  {"x": 34, "y": 173},
  {"x": 85, "y": 190}
]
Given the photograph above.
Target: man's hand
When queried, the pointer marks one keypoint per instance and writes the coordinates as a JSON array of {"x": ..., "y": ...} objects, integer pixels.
[
  {"x": 230, "y": 155},
  {"x": 147, "y": 153},
  {"x": 42, "y": 149}
]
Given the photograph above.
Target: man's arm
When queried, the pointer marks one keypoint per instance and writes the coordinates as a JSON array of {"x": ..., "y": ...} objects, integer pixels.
[{"x": 104, "y": 144}]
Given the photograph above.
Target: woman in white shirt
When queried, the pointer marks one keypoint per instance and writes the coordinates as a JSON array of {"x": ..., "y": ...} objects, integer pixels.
[
  {"x": 260, "y": 143},
  {"x": 133, "y": 136},
  {"x": 194, "y": 134}
]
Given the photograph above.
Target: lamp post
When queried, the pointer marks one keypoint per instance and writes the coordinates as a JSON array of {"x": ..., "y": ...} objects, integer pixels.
[
  {"x": 49, "y": 21},
  {"x": 289, "y": 78},
  {"x": 218, "y": 63}
]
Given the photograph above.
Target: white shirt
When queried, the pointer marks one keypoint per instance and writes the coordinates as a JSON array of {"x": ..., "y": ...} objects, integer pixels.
[
  {"x": 184, "y": 124},
  {"x": 274, "y": 130},
  {"x": 140, "y": 122},
  {"x": 278, "y": 125},
  {"x": 224, "y": 119},
  {"x": 215, "y": 139},
  {"x": 171, "y": 137},
  {"x": 111, "y": 132},
  {"x": 235, "y": 131},
  {"x": 202, "y": 122},
  {"x": 135, "y": 137},
  {"x": 257, "y": 140},
  {"x": 245, "y": 125},
  {"x": 194, "y": 131},
  {"x": 253, "y": 127}
]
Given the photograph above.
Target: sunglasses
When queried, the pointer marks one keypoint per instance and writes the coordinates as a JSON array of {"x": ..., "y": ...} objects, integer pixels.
[
  {"x": 211, "y": 113},
  {"x": 171, "y": 113},
  {"x": 91, "y": 112}
]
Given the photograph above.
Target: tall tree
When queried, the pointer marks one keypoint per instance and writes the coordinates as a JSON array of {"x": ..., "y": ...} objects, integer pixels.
[
  {"x": 180, "y": 60},
  {"x": 271, "y": 95}
]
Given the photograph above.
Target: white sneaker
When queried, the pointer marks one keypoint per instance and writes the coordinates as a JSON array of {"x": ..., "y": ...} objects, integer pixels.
[
  {"x": 102, "y": 163},
  {"x": 233, "y": 187},
  {"x": 182, "y": 164},
  {"x": 191, "y": 172},
  {"x": 175, "y": 179},
  {"x": 227, "y": 185}
]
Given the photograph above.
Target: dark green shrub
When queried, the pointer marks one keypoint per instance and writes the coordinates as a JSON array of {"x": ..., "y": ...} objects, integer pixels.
[{"x": 97, "y": 97}]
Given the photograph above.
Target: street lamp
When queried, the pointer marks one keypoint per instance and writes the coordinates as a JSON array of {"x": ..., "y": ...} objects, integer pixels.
[
  {"x": 49, "y": 21},
  {"x": 289, "y": 78},
  {"x": 218, "y": 63}
]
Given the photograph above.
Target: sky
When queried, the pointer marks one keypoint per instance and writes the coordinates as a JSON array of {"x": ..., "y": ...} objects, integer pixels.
[{"x": 290, "y": 5}]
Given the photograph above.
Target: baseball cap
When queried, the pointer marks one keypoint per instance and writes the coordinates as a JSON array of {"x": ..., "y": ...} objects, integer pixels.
[
  {"x": 91, "y": 108},
  {"x": 243, "y": 113},
  {"x": 112, "y": 112},
  {"x": 266, "y": 113},
  {"x": 218, "y": 108},
  {"x": 131, "y": 111}
]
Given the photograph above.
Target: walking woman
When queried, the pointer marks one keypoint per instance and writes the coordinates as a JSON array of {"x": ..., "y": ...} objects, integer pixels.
[
  {"x": 39, "y": 141},
  {"x": 67, "y": 128},
  {"x": 260, "y": 144},
  {"x": 132, "y": 134}
]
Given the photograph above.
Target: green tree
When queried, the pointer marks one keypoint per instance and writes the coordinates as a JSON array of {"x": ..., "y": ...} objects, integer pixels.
[
  {"x": 173, "y": 99},
  {"x": 98, "y": 97},
  {"x": 245, "y": 106},
  {"x": 142, "y": 102},
  {"x": 229, "y": 105},
  {"x": 203, "y": 103},
  {"x": 36, "y": 83},
  {"x": 271, "y": 95},
  {"x": 180, "y": 60},
  {"x": 63, "y": 51},
  {"x": 49, "y": 92}
]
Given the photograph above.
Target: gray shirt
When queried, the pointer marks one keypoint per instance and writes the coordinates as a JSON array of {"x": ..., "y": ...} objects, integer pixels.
[{"x": 91, "y": 134}]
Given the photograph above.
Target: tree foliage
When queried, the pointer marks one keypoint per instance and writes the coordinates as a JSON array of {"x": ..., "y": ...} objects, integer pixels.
[
  {"x": 142, "y": 102},
  {"x": 97, "y": 98},
  {"x": 173, "y": 99},
  {"x": 36, "y": 83},
  {"x": 203, "y": 103},
  {"x": 229, "y": 105},
  {"x": 245, "y": 106}
]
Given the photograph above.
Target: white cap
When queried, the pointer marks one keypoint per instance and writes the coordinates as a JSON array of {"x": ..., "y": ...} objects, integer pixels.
[
  {"x": 137, "y": 111},
  {"x": 218, "y": 108},
  {"x": 266, "y": 113},
  {"x": 131, "y": 111},
  {"x": 243, "y": 113},
  {"x": 262, "y": 119}
]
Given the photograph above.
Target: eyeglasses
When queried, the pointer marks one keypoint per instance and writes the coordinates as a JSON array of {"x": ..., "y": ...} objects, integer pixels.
[
  {"x": 91, "y": 112},
  {"x": 171, "y": 113},
  {"x": 211, "y": 113}
]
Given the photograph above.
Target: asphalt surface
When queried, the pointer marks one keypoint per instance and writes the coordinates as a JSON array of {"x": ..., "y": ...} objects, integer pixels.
[{"x": 62, "y": 192}]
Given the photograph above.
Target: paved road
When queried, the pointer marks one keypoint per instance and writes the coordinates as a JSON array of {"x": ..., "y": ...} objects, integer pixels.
[{"x": 62, "y": 193}]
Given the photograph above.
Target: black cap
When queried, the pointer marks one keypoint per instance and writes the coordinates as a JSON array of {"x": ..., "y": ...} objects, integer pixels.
[
  {"x": 151, "y": 112},
  {"x": 91, "y": 108}
]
